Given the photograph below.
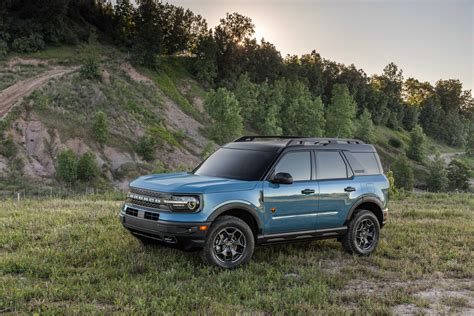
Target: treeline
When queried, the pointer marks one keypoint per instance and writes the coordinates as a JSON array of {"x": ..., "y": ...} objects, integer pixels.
[{"x": 292, "y": 94}]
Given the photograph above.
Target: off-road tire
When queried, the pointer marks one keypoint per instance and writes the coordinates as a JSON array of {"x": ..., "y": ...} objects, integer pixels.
[
  {"x": 353, "y": 241},
  {"x": 217, "y": 234}
]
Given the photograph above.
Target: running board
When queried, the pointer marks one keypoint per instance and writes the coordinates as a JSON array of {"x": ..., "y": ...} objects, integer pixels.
[{"x": 302, "y": 235}]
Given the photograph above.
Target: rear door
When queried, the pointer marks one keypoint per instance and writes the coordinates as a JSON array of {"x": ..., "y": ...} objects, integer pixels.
[
  {"x": 291, "y": 207},
  {"x": 338, "y": 188}
]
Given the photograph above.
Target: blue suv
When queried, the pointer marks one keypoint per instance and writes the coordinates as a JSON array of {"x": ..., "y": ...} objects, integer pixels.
[{"x": 262, "y": 190}]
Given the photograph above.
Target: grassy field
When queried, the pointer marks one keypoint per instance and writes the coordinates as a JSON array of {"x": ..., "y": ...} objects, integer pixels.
[{"x": 72, "y": 256}]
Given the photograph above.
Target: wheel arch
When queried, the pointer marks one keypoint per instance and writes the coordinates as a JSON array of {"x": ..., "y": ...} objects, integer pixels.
[
  {"x": 367, "y": 203},
  {"x": 240, "y": 210}
]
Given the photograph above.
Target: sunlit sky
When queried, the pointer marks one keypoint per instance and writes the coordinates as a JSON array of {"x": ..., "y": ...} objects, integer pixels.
[{"x": 429, "y": 40}]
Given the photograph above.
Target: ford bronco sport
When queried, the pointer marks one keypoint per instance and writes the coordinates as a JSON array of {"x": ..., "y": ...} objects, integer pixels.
[{"x": 262, "y": 190}]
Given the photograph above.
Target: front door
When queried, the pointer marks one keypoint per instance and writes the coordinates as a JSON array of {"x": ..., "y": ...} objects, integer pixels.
[{"x": 291, "y": 207}]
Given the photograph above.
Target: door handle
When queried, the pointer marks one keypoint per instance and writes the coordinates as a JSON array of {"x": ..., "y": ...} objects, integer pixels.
[
  {"x": 350, "y": 189},
  {"x": 307, "y": 191}
]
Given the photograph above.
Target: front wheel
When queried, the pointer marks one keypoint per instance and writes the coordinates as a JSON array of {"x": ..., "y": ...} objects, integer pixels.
[
  {"x": 229, "y": 244},
  {"x": 363, "y": 234}
]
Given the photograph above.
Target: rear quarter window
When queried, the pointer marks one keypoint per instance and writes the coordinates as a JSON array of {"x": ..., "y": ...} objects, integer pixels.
[{"x": 363, "y": 163}]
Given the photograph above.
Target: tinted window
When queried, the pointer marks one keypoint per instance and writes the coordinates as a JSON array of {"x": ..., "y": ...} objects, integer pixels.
[
  {"x": 368, "y": 161},
  {"x": 236, "y": 164},
  {"x": 330, "y": 165},
  {"x": 298, "y": 164}
]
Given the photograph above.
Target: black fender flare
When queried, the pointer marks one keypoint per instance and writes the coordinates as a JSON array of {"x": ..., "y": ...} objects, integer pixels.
[
  {"x": 364, "y": 199},
  {"x": 237, "y": 206}
]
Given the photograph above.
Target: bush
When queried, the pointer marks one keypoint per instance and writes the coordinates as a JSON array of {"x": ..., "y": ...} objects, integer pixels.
[
  {"x": 437, "y": 179},
  {"x": 416, "y": 151},
  {"x": 3, "y": 49},
  {"x": 90, "y": 69},
  {"x": 8, "y": 148},
  {"x": 146, "y": 148},
  {"x": 458, "y": 175},
  {"x": 67, "y": 166},
  {"x": 395, "y": 142},
  {"x": 99, "y": 128},
  {"x": 28, "y": 44},
  {"x": 87, "y": 169},
  {"x": 403, "y": 173},
  {"x": 392, "y": 190}
]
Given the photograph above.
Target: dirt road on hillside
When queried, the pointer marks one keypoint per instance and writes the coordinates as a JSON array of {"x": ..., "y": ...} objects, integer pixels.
[{"x": 11, "y": 95}]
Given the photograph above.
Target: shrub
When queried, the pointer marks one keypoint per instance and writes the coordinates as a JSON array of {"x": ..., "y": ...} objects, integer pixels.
[
  {"x": 3, "y": 49},
  {"x": 437, "y": 179},
  {"x": 90, "y": 68},
  {"x": 87, "y": 168},
  {"x": 8, "y": 148},
  {"x": 403, "y": 173},
  {"x": 28, "y": 44},
  {"x": 392, "y": 189},
  {"x": 458, "y": 175},
  {"x": 99, "y": 128},
  {"x": 67, "y": 166},
  {"x": 395, "y": 142},
  {"x": 416, "y": 151},
  {"x": 146, "y": 148}
]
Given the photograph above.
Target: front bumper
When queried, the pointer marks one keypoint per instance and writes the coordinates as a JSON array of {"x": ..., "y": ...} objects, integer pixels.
[{"x": 146, "y": 223}]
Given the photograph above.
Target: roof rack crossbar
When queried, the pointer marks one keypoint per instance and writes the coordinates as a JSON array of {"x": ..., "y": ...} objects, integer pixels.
[{"x": 323, "y": 140}]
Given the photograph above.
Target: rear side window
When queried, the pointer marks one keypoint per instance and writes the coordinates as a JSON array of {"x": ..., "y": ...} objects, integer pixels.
[
  {"x": 297, "y": 164},
  {"x": 363, "y": 163},
  {"x": 330, "y": 165}
]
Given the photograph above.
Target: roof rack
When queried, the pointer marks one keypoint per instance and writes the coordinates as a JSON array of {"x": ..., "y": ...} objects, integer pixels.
[
  {"x": 254, "y": 137},
  {"x": 299, "y": 140}
]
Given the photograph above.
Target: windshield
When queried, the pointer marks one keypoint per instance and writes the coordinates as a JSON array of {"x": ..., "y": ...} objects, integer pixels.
[{"x": 238, "y": 164}]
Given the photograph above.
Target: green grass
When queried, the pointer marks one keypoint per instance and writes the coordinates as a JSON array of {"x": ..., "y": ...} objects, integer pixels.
[{"x": 73, "y": 256}]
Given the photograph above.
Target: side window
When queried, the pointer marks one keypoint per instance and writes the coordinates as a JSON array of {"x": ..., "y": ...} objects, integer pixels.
[
  {"x": 330, "y": 165},
  {"x": 298, "y": 164},
  {"x": 363, "y": 163}
]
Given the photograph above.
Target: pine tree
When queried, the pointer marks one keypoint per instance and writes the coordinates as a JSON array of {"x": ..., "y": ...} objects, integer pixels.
[
  {"x": 66, "y": 169},
  {"x": 246, "y": 92},
  {"x": 458, "y": 175},
  {"x": 366, "y": 129},
  {"x": 403, "y": 173},
  {"x": 87, "y": 168},
  {"x": 416, "y": 151},
  {"x": 437, "y": 179},
  {"x": 340, "y": 113}
]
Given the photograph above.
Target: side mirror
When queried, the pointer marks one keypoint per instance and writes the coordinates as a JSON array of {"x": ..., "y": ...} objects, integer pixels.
[{"x": 282, "y": 178}]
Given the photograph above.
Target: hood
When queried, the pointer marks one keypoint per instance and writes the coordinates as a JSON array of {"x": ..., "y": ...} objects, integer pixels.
[{"x": 189, "y": 183}]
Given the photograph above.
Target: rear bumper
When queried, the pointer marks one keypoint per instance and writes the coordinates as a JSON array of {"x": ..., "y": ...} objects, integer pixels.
[{"x": 185, "y": 234}]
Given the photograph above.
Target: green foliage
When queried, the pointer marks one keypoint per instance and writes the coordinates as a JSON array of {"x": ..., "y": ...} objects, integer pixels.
[
  {"x": 3, "y": 49},
  {"x": 392, "y": 189},
  {"x": 146, "y": 147},
  {"x": 340, "y": 113},
  {"x": 416, "y": 151},
  {"x": 205, "y": 66},
  {"x": 224, "y": 109},
  {"x": 66, "y": 169},
  {"x": 247, "y": 94},
  {"x": 87, "y": 168},
  {"x": 403, "y": 173},
  {"x": 470, "y": 141},
  {"x": 208, "y": 150},
  {"x": 458, "y": 175},
  {"x": 302, "y": 115},
  {"x": 395, "y": 142},
  {"x": 366, "y": 129},
  {"x": 8, "y": 148},
  {"x": 28, "y": 44},
  {"x": 437, "y": 179},
  {"x": 90, "y": 68},
  {"x": 99, "y": 128}
]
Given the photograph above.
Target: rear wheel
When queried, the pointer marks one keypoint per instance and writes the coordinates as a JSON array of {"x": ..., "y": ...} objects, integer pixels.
[
  {"x": 363, "y": 234},
  {"x": 229, "y": 244}
]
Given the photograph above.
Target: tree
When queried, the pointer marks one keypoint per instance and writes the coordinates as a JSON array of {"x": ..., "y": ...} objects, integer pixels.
[
  {"x": 403, "y": 173},
  {"x": 340, "y": 113},
  {"x": 366, "y": 129},
  {"x": 67, "y": 166},
  {"x": 87, "y": 169},
  {"x": 246, "y": 92},
  {"x": 224, "y": 109},
  {"x": 470, "y": 141},
  {"x": 124, "y": 13},
  {"x": 148, "y": 40},
  {"x": 458, "y": 175},
  {"x": 205, "y": 66},
  {"x": 146, "y": 147},
  {"x": 99, "y": 127},
  {"x": 416, "y": 151},
  {"x": 270, "y": 99},
  {"x": 437, "y": 179}
]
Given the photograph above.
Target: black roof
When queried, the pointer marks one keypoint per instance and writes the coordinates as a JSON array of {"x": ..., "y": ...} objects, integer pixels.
[{"x": 278, "y": 143}]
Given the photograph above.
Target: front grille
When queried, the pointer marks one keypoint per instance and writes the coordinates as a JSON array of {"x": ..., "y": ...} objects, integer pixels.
[
  {"x": 149, "y": 195},
  {"x": 146, "y": 215}
]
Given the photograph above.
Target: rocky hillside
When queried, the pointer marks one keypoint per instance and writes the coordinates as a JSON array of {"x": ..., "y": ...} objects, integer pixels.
[{"x": 49, "y": 107}]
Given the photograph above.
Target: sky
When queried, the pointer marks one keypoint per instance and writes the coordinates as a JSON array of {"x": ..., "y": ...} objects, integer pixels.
[{"x": 428, "y": 40}]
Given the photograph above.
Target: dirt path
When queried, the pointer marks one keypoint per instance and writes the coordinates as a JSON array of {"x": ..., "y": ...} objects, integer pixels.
[
  {"x": 447, "y": 157},
  {"x": 11, "y": 95}
]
